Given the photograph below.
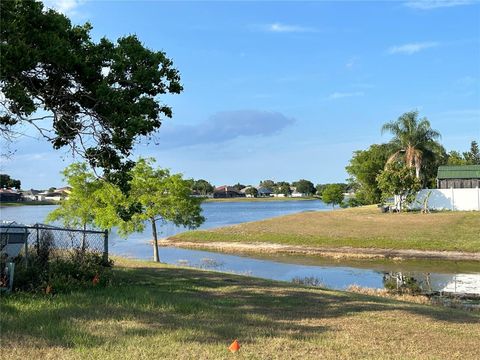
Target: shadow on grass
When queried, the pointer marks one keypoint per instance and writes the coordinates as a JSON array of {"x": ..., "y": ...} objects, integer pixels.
[{"x": 189, "y": 305}]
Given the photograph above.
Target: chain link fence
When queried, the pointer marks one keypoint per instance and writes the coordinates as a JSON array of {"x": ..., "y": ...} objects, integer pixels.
[{"x": 15, "y": 238}]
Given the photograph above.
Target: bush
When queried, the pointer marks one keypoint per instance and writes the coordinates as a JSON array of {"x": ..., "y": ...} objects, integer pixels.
[{"x": 66, "y": 271}]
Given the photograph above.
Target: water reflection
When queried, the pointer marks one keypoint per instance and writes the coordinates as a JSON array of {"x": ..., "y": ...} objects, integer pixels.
[{"x": 467, "y": 285}]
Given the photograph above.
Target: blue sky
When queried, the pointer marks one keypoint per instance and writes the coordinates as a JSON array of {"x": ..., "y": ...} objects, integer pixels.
[{"x": 288, "y": 90}]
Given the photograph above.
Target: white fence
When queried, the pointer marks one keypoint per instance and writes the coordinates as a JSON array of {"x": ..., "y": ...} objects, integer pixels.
[{"x": 449, "y": 199}]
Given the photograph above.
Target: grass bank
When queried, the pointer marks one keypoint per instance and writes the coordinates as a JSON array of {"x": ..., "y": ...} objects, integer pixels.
[
  {"x": 356, "y": 228},
  {"x": 29, "y": 203},
  {"x": 160, "y": 312},
  {"x": 262, "y": 199}
]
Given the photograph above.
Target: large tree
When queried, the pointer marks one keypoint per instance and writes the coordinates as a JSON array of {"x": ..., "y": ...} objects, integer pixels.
[
  {"x": 413, "y": 140},
  {"x": 472, "y": 157},
  {"x": 160, "y": 197},
  {"x": 7, "y": 182},
  {"x": 399, "y": 180},
  {"x": 305, "y": 187},
  {"x": 332, "y": 194},
  {"x": 364, "y": 167},
  {"x": 98, "y": 98},
  {"x": 202, "y": 187}
]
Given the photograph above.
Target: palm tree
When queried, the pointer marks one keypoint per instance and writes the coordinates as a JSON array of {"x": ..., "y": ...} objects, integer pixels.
[{"x": 413, "y": 138}]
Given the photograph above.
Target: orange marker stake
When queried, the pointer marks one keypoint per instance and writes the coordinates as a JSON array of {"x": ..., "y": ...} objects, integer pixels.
[{"x": 234, "y": 347}]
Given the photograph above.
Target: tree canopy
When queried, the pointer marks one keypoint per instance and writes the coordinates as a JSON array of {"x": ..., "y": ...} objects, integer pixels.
[
  {"x": 400, "y": 180},
  {"x": 159, "y": 197},
  {"x": 364, "y": 167},
  {"x": 7, "y": 182},
  {"x": 332, "y": 194},
  {"x": 202, "y": 187},
  {"x": 305, "y": 187},
  {"x": 97, "y": 98},
  {"x": 413, "y": 140}
]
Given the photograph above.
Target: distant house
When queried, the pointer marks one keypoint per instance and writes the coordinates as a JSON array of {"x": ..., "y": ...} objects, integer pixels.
[
  {"x": 226, "y": 192},
  {"x": 55, "y": 195},
  {"x": 31, "y": 195},
  {"x": 295, "y": 193},
  {"x": 9, "y": 195},
  {"x": 244, "y": 191},
  {"x": 458, "y": 177},
  {"x": 264, "y": 192}
]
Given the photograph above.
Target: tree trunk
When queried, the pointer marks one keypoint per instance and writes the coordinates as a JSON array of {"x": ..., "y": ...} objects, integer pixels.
[
  {"x": 84, "y": 237},
  {"x": 155, "y": 241}
]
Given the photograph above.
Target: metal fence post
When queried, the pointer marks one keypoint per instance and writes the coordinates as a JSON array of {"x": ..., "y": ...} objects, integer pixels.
[
  {"x": 26, "y": 247},
  {"x": 105, "y": 247}
]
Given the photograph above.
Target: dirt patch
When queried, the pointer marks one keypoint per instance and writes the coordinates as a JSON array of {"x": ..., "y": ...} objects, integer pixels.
[{"x": 340, "y": 252}]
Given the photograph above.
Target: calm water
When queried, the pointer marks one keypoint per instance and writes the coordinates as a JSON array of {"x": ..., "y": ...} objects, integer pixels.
[{"x": 460, "y": 277}]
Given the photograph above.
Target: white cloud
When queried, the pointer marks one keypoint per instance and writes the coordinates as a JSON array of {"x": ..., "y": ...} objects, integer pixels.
[
  {"x": 435, "y": 4},
  {"x": 282, "y": 28},
  {"x": 411, "y": 48},
  {"x": 67, "y": 7},
  {"x": 340, "y": 95}
]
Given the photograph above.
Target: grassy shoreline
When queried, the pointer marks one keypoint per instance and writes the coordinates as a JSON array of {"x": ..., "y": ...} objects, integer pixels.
[
  {"x": 159, "y": 311},
  {"x": 357, "y": 228},
  {"x": 28, "y": 203}
]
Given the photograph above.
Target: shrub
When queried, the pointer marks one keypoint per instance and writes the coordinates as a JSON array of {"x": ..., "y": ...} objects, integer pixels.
[{"x": 67, "y": 271}]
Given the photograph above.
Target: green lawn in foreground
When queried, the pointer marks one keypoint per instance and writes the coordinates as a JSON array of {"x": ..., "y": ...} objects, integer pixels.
[
  {"x": 159, "y": 312},
  {"x": 363, "y": 227}
]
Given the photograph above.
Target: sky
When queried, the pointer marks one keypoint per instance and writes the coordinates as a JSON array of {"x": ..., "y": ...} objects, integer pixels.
[{"x": 287, "y": 90}]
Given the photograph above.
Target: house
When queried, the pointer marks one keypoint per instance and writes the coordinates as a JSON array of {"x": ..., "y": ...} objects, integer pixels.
[
  {"x": 9, "y": 195},
  {"x": 226, "y": 192},
  {"x": 295, "y": 193},
  {"x": 31, "y": 195},
  {"x": 458, "y": 177},
  {"x": 55, "y": 194},
  {"x": 244, "y": 191},
  {"x": 264, "y": 192}
]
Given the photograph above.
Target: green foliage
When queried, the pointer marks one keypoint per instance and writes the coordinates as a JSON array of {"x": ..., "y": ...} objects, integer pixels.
[
  {"x": 414, "y": 141},
  {"x": 63, "y": 272},
  {"x": 456, "y": 158},
  {"x": 305, "y": 187},
  {"x": 239, "y": 186},
  {"x": 364, "y": 167},
  {"x": 332, "y": 194},
  {"x": 282, "y": 187},
  {"x": 268, "y": 184},
  {"x": 202, "y": 187},
  {"x": 83, "y": 202},
  {"x": 7, "y": 182},
  {"x": 155, "y": 195},
  {"x": 397, "y": 179},
  {"x": 320, "y": 187},
  {"x": 473, "y": 156},
  {"x": 100, "y": 97},
  {"x": 252, "y": 191}
]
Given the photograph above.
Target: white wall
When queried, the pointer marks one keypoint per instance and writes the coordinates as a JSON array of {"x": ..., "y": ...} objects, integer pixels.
[{"x": 449, "y": 199}]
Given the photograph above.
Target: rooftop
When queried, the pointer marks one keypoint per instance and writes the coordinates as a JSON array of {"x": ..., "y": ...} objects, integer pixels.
[{"x": 459, "y": 172}]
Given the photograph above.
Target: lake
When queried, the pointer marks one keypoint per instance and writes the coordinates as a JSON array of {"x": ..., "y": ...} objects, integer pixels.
[{"x": 454, "y": 277}]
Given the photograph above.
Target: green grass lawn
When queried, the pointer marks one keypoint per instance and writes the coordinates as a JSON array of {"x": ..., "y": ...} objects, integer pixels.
[
  {"x": 363, "y": 227},
  {"x": 161, "y": 312}
]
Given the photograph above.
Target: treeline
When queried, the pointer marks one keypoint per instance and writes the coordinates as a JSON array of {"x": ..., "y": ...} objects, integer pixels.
[
  {"x": 306, "y": 187},
  {"x": 409, "y": 161}
]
